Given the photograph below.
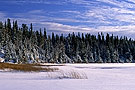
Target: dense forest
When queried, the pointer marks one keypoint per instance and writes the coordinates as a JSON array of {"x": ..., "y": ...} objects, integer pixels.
[{"x": 25, "y": 45}]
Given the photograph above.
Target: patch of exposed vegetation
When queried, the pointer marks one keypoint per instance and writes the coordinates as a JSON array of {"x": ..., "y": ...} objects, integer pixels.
[
  {"x": 67, "y": 75},
  {"x": 26, "y": 67}
]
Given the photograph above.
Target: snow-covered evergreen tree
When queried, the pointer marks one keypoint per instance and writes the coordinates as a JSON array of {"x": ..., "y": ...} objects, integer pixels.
[{"x": 26, "y": 45}]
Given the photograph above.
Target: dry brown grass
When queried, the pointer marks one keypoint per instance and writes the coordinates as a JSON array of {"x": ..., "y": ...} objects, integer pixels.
[
  {"x": 73, "y": 75},
  {"x": 51, "y": 65},
  {"x": 67, "y": 75},
  {"x": 26, "y": 67}
]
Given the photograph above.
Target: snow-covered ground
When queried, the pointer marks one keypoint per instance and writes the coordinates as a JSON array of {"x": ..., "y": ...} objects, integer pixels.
[{"x": 100, "y": 77}]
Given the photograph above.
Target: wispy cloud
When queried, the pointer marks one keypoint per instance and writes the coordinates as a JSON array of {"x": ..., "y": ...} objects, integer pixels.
[
  {"x": 128, "y": 31},
  {"x": 121, "y": 3},
  {"x": 133, "y": 1},
  {"x": 113, "y": 16},
  {"x": 82, "y": 2},
  {"x": 36, "y": 12},
  {"x": 65, "y": 28},
  {"x": 3, "y": 16},
  {"x": 72, "y": 12},
  {"x": 59, "y": 2}
]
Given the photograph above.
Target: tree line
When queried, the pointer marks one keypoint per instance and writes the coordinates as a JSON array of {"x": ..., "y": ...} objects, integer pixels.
[{"x": 26, "y": 45}]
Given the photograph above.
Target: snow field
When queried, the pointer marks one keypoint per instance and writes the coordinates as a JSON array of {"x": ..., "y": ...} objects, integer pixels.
[{"x": 99, "y": 77}]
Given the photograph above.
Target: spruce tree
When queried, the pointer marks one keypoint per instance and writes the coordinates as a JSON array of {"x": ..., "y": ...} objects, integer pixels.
[
  {"x": 23, "y": 44},
  {"x": 1, "y": 25}
]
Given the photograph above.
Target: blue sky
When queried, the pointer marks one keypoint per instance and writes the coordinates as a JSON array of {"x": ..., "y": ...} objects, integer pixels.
[{"x": 67, "y": 16}]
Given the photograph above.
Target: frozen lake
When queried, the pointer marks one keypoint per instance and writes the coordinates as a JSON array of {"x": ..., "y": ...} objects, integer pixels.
[{"x": 100, "y": 77}]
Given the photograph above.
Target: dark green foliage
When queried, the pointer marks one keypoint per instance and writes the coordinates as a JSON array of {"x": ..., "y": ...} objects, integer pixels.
[
  {"x": 8, "y": 25},
  {"x": 53, "y": 38},
  {"x": 1, "y": 25},
  {"x": 45, "y": 36},
  {"x": 38, "y": 38},
  {"x": 73, "y": 48},
  {"x": 16, "y": 26}
]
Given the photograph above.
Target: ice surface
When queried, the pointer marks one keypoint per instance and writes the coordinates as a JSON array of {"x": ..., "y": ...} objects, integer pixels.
[{"x": 100, "y": 77}]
